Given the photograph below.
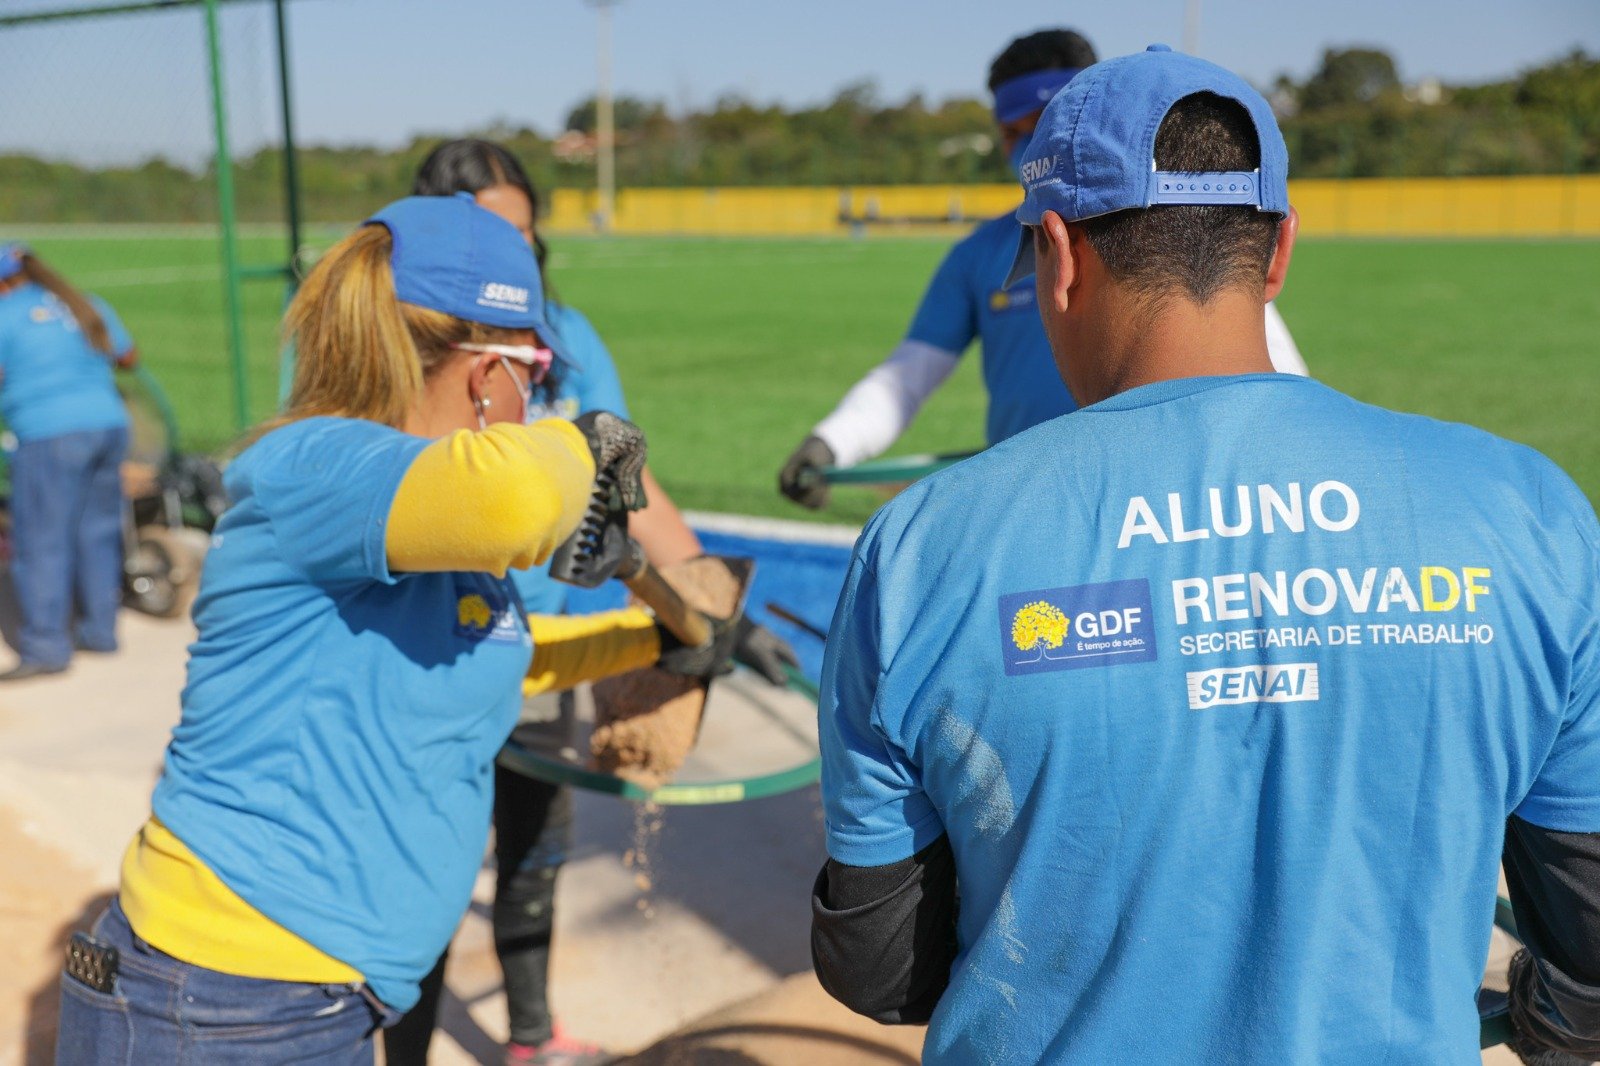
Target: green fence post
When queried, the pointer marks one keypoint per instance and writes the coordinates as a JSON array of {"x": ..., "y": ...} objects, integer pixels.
[{"x": 228, "y": 212}]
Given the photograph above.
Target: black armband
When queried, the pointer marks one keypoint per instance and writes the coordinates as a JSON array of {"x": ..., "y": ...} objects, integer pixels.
[{"x": 883, "y": 938}]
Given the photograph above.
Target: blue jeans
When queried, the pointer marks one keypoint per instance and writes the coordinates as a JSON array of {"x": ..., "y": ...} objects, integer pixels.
[
  {"x": 162, "y": 1010},
  {"x": 66, "y": 539}
]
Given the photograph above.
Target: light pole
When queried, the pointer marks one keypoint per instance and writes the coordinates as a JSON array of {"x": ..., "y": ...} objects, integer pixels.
[
  {"x": 605, "y": 127},
  {"x": 1191, "y": 27}
]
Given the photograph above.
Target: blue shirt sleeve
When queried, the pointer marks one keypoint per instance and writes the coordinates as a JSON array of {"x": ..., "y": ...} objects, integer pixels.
[
  {"x": 326, "y": 485},
  {"x": 875, "y": 811},
  {"x": 121, "y": 341},
  {"x": 947, "y": 318},
  {"x": 594, "y": 380},
  {"x": 1565, "y": 795}
]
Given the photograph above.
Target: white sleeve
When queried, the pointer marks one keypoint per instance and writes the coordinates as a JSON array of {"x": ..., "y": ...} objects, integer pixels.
[
  {"x": 881, "y": 405},
  {"x": 1280, "y": 346}
]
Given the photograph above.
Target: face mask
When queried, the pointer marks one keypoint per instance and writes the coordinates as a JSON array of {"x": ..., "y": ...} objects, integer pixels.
[{"x": 1017, "y": 153}]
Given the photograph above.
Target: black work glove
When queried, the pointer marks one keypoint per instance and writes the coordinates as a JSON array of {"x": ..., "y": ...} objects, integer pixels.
[
  {"x": 801, "y": 477},
  {"x": 706, "y": 660},
  {"x": 618, "y": 448},
  {"x": 763, "y": 651},
  {"x": 600, "y": 546}
]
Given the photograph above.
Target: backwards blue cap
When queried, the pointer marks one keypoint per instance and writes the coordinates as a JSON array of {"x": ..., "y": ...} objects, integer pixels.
[
  {"x": 1093, "y": 152},
  {"x": 451, "y": 255},
  {"x": 11, "y": 260}
]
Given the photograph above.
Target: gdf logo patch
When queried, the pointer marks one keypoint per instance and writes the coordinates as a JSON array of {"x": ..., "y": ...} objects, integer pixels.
[{"x": 1079, "y": 626}]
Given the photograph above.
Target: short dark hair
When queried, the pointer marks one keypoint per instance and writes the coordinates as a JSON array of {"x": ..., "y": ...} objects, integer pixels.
[
  {"x": 1044, "y": 50},
  {"x": 1199, "y": 249}
]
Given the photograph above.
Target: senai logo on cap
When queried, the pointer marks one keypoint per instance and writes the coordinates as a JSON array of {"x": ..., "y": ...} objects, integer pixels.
[
  {"x": 503, "y": 297},
  {"x": 1035, "y": 170}
]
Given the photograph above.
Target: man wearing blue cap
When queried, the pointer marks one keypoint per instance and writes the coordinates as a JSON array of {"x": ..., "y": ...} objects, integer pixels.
[
  {"x": 967, "y": 300},
  {"x": 1219, "y": 699}
]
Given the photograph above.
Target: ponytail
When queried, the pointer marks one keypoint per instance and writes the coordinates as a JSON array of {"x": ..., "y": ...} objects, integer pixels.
[
  {"x": 89, "y": 319},
  {"x": 360, "y": 352}
]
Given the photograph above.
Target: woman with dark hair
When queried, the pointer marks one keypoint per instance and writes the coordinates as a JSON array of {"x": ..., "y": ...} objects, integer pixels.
[
  {"x": 533, "y": 819},
  {"x": 57, "y": 348}
]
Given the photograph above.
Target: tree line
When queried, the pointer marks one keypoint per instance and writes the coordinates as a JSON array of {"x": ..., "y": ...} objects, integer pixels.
[{"x": 1352, "y": 117}]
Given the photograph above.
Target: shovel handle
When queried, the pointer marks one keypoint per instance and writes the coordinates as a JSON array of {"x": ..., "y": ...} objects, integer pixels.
[{"x": 683, "y": 621}]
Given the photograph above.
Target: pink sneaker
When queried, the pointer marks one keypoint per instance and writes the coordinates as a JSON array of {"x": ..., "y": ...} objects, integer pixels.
[{"x": 559, "y": 1050}]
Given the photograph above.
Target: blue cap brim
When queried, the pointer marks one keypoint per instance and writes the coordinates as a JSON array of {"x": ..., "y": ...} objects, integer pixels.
[{"x": 1023, "y": 264}]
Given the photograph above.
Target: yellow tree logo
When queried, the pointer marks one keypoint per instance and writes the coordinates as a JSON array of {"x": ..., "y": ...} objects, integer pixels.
[
  {"x": 473, "y": 613},
  {"x": 1041, "y": 625}
]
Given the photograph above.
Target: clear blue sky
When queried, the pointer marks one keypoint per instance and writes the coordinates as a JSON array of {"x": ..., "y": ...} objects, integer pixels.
[{"x": 379, "y": 71}]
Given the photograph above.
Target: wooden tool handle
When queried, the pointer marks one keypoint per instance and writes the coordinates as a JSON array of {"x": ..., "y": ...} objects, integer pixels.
[{"x": 683, "y": 621}]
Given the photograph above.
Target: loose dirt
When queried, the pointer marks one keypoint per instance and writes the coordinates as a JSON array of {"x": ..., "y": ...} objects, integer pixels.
[{"x": 647, "y": 720}]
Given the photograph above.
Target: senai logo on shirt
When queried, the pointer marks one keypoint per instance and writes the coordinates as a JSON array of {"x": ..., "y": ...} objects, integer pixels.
[
  {"x": 1076, "y": 627},
  {"x": 482, "y": 614}
]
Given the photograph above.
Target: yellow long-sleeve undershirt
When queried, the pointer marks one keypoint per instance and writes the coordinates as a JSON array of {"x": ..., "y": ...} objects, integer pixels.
[{"x": 500, "y": 499}]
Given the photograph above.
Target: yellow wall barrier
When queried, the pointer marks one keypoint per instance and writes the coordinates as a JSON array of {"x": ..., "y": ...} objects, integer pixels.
[{"x": 1566, "y": 206}]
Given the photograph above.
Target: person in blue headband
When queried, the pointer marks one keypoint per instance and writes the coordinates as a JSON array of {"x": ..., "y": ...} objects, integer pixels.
[
  {"x": 1218, "y": 703},
  {"x": 969, "y": 299},
  {"x": 325, "y": 800},
  {"x": 58, "y": 348}
]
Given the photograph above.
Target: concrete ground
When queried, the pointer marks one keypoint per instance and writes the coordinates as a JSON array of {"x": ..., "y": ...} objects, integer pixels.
[{"x": 708, "y": 967}]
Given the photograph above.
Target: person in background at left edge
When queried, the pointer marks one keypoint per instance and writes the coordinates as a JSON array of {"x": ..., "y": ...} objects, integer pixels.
[{"x": 57, "y": 348}]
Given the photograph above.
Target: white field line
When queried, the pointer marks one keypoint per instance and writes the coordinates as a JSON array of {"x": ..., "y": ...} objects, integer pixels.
[{"x": 781, "y": 529}]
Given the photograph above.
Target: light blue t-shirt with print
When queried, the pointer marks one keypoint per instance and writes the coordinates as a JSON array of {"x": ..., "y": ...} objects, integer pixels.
[
  {"x": 52, "y": 380},
  {"x": 588, "y": 383},
  {"x": 333, "y": 764},
  {"x": 966, "y": 300},
  {"x": 1223, "y": 690}
]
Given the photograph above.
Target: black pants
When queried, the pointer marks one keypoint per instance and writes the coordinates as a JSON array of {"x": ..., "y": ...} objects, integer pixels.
[{"x": 533, "y": 830}]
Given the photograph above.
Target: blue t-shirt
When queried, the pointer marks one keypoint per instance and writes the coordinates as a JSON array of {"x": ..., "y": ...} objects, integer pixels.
[
  {"x": 1222, "y": 689},
  {"x": 589, "y": 383},
  {"x": 333, "y": 765},
  {"x": 967, "y": 299},
  {"x": 52, "y": 381}
]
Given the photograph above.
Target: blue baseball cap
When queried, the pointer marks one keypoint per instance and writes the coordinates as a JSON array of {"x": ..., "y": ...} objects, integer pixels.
[
  {"x": 11, "y": 260},
  {"x": 451, "y": 255},
  {"x": 1093, "y": 152}
]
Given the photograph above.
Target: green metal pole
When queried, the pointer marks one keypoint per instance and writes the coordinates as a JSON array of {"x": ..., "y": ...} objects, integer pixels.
[
  {"x": 291, "y": 162},
  {"x": 291, "y": 194},
  {"x": 228, "y": 212},
  {"x": 132, "y": 7}
]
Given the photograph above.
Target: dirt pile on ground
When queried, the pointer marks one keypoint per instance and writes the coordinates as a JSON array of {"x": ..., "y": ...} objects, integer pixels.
[{"x": 42, "y": 900}]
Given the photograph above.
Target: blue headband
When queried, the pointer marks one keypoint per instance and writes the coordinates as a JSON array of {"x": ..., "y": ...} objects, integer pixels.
[{"x": 1023, "y": 96}]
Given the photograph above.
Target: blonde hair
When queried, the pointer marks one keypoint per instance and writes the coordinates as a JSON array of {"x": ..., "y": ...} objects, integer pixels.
[{"x": 360, "y": 351}]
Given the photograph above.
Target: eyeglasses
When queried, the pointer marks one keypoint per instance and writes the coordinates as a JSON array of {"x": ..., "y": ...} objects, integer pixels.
[{"x": 536, "y": 359}]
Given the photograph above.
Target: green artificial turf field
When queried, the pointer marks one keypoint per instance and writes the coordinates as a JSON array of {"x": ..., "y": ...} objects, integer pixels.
[{"x": 731, "y": 349}]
